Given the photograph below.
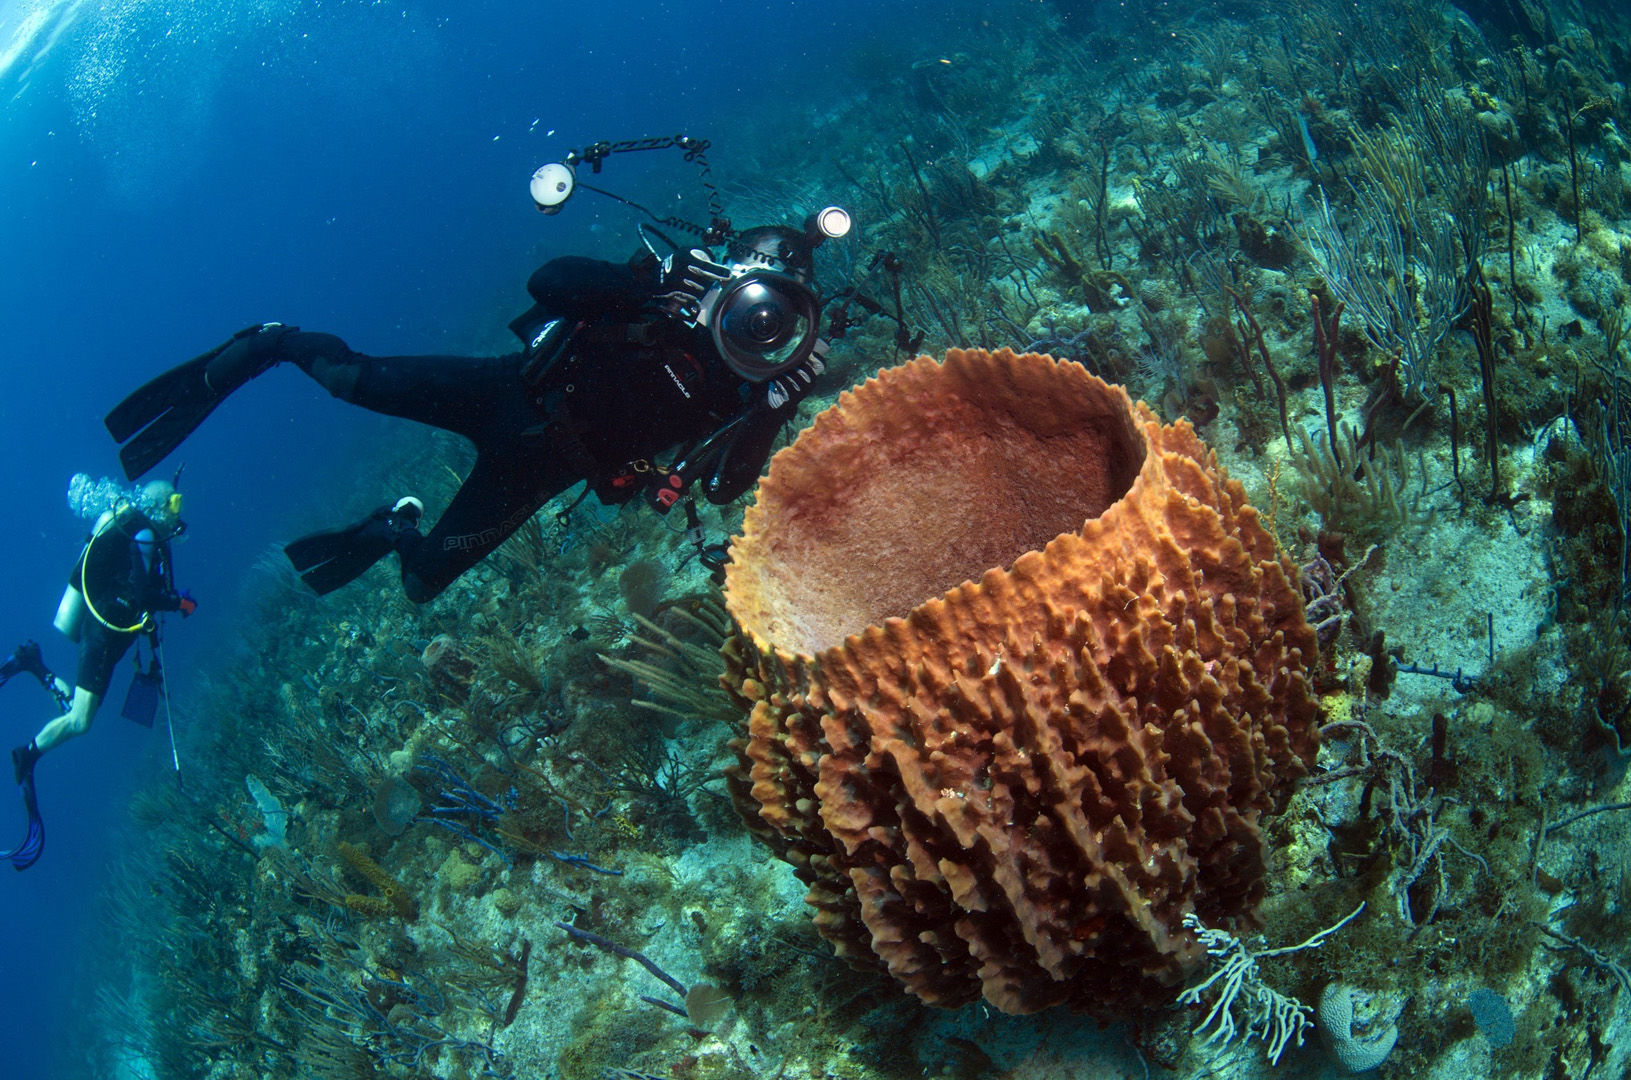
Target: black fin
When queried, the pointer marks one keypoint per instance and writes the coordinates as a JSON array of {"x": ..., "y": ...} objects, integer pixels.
[
  {"x": 28, "y": 852},
  {"x": 326, "y": 560},
  {"x": 157, "y": 417},
  {"x": 162, "y": 436},
  {"x": 167, "y": 408},
  {"x": 157, "y": 395}
]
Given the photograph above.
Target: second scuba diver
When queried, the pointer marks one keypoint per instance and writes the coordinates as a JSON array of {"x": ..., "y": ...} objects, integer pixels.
[
  {"x": 121, "y": 582},
  {"x": 619, "y": 363}
]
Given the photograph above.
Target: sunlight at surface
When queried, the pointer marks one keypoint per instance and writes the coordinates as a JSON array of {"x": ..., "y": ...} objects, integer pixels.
[{"x": 29, "y": 30}]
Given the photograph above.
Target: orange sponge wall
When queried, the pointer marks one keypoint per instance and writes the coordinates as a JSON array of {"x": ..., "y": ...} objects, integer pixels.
[{"x": 1022, "y": 673}]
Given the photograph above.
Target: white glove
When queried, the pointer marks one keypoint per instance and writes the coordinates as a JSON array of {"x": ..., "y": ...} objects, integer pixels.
[
  {"x": 794, "y": 385},
  {"x": 684, "y": 279}
]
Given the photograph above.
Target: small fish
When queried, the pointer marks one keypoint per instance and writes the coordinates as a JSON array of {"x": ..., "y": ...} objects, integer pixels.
[{"x": 534, "y": 125}]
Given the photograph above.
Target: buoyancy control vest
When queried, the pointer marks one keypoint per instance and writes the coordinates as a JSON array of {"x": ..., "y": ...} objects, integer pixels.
[{"x": 113, "y": 575}]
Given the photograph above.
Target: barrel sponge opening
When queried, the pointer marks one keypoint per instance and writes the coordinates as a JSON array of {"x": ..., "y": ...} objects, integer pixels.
[{"x": 924, "y": 478}]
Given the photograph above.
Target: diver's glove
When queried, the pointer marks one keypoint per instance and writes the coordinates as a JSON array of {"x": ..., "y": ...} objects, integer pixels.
[
  {"x": 683, "y": 279},
  {"x": 169, "y": 600},
  {"x": 794, "y": 386}
]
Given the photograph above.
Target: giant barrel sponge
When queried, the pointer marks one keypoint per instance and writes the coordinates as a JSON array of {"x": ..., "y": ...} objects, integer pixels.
[{"x": 1022, "y": 672}]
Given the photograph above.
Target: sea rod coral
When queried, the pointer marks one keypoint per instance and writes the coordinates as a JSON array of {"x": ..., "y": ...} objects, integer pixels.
[{"x": 1023, "y": 674}]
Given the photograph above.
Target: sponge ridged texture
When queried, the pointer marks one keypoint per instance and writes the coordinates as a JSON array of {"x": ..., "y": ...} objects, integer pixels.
[{"x": 1022, "y": 672}]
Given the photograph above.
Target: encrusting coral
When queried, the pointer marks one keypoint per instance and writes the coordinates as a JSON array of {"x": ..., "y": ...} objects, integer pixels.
[
  {"x": 394, "y": 898},
  {"x": 1356, "y": 1051},
  {"x": 1024, "y": 672}
]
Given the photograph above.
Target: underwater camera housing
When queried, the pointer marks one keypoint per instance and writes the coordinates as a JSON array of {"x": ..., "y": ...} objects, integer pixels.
[
  {"x": 763, "y": 323},
  {"x": 765, "y": 318}
]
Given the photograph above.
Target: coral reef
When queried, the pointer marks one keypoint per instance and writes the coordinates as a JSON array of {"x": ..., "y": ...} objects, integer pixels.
[
  {"x": 393, "y": 898},
  {"x": 1177, "y": 197},
  {"x": 1024, "y": 674},
  {"x": 1357, "y": 1048}
]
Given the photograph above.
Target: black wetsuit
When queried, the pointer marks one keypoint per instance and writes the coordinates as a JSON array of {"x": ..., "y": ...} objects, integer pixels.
[
  {"x": 625, "y": 387},
  {"x": 123, "y": 582}
]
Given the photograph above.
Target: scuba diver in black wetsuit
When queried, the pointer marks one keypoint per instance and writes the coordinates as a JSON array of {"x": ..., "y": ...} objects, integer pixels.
[
  {"x": 620, "y": 363},
  {"x": 122, "y": 580}
]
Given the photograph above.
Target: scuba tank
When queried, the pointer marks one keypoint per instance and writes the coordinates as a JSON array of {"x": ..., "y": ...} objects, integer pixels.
[
  {"x": 71, "y": 609},
  {"x": 70, "y": 613},
  {"x": 92, "y": 500}
]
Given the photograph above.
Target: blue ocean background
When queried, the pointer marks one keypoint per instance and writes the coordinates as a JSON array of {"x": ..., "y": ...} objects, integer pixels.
[{"x": 172, "y": 172}]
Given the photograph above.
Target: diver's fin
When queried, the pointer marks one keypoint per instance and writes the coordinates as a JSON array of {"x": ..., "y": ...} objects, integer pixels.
[
  {"x": 29, "y": 851},
  {"x": 167, "y": 408},
  {"x": 326, "y": 560},
  {"x": 156, "y": 396},
  {"x": 163, "y": 412},
  {"x": 23, "y": 759}
]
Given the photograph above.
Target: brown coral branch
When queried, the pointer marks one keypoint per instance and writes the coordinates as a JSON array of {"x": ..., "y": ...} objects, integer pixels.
[
  {"x": 1256, "y": 337},
  {"x": 1325, "y": 348},
  {"x": 520, "y": 992},
  {"x": 394, "y": 897}
]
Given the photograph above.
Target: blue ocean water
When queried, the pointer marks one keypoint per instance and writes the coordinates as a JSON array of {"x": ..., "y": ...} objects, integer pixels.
[{"x": 171, "y": 172}]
